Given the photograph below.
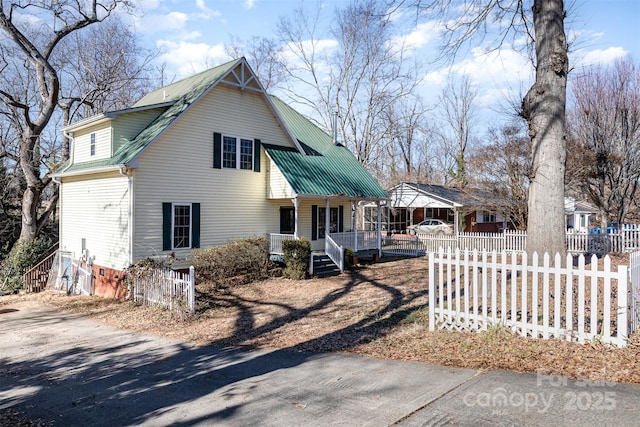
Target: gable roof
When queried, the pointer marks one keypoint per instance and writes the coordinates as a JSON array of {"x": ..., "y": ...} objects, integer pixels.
[
  {"x": 182, "y": 95},
  {"x": 454, "y": 196},
  {"x": 315, "y": 167}
]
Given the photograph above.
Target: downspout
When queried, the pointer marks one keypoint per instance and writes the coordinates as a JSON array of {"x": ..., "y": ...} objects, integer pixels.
[{"x": 125, "y": 172}]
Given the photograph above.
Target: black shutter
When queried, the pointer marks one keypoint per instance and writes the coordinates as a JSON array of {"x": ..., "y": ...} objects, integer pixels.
[
  {"x": 166, "y": 226},
  {"x": 195, "y": 225},
  {"x": 217, "y": 150},
  {"x": 340, "y": 219},
  {"x": 256, "y": 155},
  {"x": 314, "y": 222}
]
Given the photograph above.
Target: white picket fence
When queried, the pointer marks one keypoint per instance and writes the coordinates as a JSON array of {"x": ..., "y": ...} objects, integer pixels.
[
  {"x": 167, "y": 288},
  {"x": 473, "y": 290},
  {"x": 509, "y": 240}
]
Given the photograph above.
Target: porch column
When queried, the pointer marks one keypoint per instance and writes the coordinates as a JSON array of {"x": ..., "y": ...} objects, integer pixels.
[
  {"x": 354, "y": 203},
  {"x": 327, "y": 226},
  {"x": 296, "y": 203},
  {"x": 379, "y": 229}
]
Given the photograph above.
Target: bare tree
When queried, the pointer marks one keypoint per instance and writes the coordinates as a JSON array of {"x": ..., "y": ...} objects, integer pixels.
[
  {"x": 457, "y": 110},
  {"x": 407, "y": 155},
  {"x": 604, "y": 126},
  {"x": 101, "y": 68},
  {"x": 31, "y": 104},
  {"x": 357, "y": 69},
  {"x": 542, "y": 21},
  {"x": 501, "y": 167}
]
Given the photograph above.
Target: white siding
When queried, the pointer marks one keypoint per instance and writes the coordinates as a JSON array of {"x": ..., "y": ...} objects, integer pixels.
[
  {"x": 277, "y": 185},
  {"x": 82, "y": 144},
  {"x": 178, "y": 167},
  {"x": 96, "y": 210},
  {"x": 405, "y": 196},
  {"x": 128, "y": 126}
]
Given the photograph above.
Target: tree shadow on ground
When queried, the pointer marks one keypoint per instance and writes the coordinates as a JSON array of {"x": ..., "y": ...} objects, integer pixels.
[{"x": 109, "y": 383}]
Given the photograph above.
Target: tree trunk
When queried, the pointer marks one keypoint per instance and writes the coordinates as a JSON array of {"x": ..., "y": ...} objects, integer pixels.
[
  {"x": 544, "y": 109},
  {"x": 29, "y": 163}
]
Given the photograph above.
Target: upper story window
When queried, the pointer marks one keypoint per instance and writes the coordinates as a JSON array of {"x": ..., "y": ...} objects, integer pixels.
[
  {"x": 93, "y": 144},
  {"x": 237, "y": 153}
]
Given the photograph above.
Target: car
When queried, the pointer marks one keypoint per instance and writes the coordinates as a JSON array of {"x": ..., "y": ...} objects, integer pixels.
[
  {"x": 431, "y": 226},
  {"x": 612, "y": 228}
]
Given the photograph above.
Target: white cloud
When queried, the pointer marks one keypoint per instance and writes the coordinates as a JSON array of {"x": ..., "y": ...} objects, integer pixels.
[
  {"x": 419, "y": 37},
  {"x": 186, "y": 58},
  {"x": 248, "y": 4},
  {"x": 607, "y": 56},
  {"x": 171, "y": 21},
  {"x": 206, "y": 12}
]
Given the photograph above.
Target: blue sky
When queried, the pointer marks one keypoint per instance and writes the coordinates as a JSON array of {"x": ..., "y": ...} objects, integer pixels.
[{"x": 192, "y": 34}]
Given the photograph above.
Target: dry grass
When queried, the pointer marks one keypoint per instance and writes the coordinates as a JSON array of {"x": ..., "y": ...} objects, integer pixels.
[{"x": 378, "y": 310}]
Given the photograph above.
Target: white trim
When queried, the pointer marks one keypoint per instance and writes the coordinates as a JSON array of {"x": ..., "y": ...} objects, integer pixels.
[
  {"x": 173, "y": 214},
  {"x": 91, "y": 171},
  {"x": 239, "y": 140}
]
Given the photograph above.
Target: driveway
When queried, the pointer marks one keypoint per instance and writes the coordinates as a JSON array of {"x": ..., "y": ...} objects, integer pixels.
[{"x": 63, "y": 370}]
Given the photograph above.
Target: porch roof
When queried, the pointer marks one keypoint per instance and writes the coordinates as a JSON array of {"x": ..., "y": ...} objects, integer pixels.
[{"x": 325, "y": 168}]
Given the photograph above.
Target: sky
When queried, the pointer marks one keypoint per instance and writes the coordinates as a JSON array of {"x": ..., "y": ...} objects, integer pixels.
[{"x": 192, "y": 33}]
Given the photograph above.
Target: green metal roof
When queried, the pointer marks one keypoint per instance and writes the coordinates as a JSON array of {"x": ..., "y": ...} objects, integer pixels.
[
  {"x": 326, "y": 169},
  {"x": 323, "y": 168},
  {"x": 182, "y": 93}
]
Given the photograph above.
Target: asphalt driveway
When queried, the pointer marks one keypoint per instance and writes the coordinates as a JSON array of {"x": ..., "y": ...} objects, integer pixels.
[{"x": 64, "y": 370}]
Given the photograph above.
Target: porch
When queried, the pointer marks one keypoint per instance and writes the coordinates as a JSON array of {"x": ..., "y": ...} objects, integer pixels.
[{"x": 362, "y": 243}]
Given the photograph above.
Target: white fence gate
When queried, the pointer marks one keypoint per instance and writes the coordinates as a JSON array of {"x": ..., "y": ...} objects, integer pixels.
[
  {"x": 167, "y": 288},
  {"x": 472, "y": 290}
]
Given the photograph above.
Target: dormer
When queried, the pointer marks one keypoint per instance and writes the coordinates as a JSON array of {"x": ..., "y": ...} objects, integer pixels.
[{"x": 99, "y": 137}]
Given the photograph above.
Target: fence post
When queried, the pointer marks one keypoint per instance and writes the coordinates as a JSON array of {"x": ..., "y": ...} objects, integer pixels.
[
  {"x": 623, "y": 305},
  {"x": 192, "y": 289},
  {"x": 432, "y": 292}
]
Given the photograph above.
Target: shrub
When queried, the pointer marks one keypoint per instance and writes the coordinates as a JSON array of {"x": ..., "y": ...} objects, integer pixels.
[
  {"x": 238, "y": 262},
  {"x": 20, "y": 259},
  {"x": 348, "y": 258},
  {"x": 296, "y": 258}
]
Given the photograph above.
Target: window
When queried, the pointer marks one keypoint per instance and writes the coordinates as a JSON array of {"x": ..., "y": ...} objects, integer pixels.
[
  {"x": 93, "y": 144},
  {"x": 237, "y": 153},
  {"x": 333, "y": 221},
  {"x": 488, "y": 216},
  {"x": 181, "y": 226},
  {"x": 287, "y": 220}
]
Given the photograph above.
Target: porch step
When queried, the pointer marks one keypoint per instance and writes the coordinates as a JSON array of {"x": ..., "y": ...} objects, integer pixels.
[{"x": 323, "y": 266}]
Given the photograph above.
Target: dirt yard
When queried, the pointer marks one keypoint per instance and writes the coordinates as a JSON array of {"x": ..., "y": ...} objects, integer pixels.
[{"x": 377, "y": 310}]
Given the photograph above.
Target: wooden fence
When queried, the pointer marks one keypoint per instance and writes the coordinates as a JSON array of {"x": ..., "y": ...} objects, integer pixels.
[
  {"x": 167, "y": 288},
  {"x": 473, "y": 290}
]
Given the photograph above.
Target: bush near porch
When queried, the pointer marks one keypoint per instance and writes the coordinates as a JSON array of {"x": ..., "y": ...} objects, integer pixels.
[{"x": 235, "y": 263}]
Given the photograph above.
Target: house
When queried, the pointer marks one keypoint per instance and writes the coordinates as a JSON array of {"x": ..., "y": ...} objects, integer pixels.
[
  {"x": 206, "y": 160},
  {"x": 411, "y": 203},
  {"x": 579, "y": 214}
]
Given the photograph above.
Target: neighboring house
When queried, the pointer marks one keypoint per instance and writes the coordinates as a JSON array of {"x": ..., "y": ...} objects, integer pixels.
[
  {"x": 203, "y": 161},
  {"x": 412, "y": 203},
  {"x": 579, "y": 215}
]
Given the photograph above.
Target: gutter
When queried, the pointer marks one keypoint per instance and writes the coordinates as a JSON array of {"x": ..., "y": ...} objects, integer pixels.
[{"x": 91, "y": 171}]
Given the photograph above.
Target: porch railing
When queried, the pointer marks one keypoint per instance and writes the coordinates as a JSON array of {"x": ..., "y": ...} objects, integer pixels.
[
  {"x": 335, "y": 252},
  {"x": 275, "y": 242},
  {"x": 366, "y": 239}
]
